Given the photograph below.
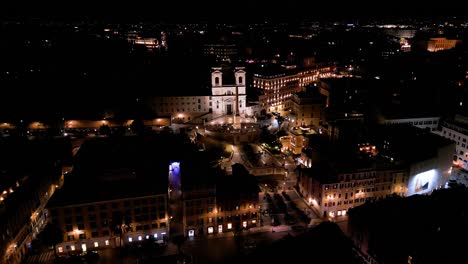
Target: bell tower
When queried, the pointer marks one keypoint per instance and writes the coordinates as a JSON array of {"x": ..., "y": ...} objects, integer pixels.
[
  {"x": 240, "y": 76},
  {"x": 216, "y": 77}
]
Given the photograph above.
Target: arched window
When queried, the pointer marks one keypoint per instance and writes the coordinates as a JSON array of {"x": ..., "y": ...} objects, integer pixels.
[
  {"x": 240, "y": 79},
  {"x": 216, "y": 80}
]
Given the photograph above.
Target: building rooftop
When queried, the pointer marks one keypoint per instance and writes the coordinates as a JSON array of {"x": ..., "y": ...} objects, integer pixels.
[
  {"x": 393, "y": 227},
  {"x": 398, "y": 111},
  {"x": 407, "y": 143},
  {"x": 322, "y": 172},
  {"x": 120, "y": 167},
  {"x": 125, "y": 183},
  {"x": 240, "y": 184}
]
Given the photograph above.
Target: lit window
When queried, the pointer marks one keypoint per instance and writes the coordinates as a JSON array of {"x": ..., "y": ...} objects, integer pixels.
[
  {"x": 96, "y": 244},
  {"x": 220, "y": 228},
  {"x": 147, "y": 236},
  {"x": 229, "y": 226},
  {"x": 244, "y": 224},
  {"x": 155, "y": 235},
  {"x": 83, "y": 247},
  {"x": 106, "y": 242},
  {"x": 254, "y": 221},
  {"x": 191, "y": 233},
  {"x": 60, "y": 249},
  {"x": 130, "y": 239},
  {"x": 139, "y": 238},
  {"x": 210, "y": 230},
  {"x": 72, "y": 247}
]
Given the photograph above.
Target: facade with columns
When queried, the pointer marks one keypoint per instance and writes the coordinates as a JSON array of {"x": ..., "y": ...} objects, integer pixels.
[{"x": 228, "y": 98}]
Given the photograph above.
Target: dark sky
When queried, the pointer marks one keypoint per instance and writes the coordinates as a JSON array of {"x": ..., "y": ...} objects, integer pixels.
[{"x": 240, "y": 10}]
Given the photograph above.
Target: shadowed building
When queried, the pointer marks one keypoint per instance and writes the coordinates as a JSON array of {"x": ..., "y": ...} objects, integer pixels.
[
  {"x": 31, "y": 171},
  {"x": 220, "y": 203},
  {"x": 117, "y": 195}
]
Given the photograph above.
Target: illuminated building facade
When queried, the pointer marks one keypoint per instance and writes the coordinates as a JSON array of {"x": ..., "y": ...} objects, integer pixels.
[
  {"x": 333, "y": 193},
  {"x": 430, "y": 123},
  {"x": 182, "y": 108},
  {"x": 457, "y": 131},
  {"x": 438, "y": 44},
  {"x": 222, "y": 52},
  {"x": 91, "y": 226},
  {"x": 228, "y": 97},
  {"x": 278, "y": 87}
]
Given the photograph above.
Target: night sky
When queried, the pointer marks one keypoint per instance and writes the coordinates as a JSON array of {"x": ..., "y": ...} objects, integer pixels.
[{"x": 240, "y": 10}]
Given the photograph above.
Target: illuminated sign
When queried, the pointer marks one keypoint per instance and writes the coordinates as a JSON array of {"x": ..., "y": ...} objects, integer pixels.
[{"x": 422, "y": 182}]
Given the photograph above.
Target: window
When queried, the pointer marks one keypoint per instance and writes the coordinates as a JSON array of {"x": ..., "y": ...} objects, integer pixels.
[
  {"x": 240, "y": 79},
  {"x": 70, "y": 238},
  {"x": 80, "y": 226},
  {"x": 69, "y": 228},
  {"x": 96, "y": 244},
  {"x": 94, "y": 234},
  {"x": 229, "y": 226},
  {"x": 162, "y": 215},
  {"x": 217, "y": 80},
  {"x": 106, "y": 242},
  {"x": 82, "y": 236}
]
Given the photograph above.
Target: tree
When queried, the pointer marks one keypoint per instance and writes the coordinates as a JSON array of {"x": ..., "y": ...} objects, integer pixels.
[
  {"x": 119, "y": 225},
  {"x": 51, "y": 236},
  {"x": 105, "y": 130},
  {"x": 137, "y": 126}
]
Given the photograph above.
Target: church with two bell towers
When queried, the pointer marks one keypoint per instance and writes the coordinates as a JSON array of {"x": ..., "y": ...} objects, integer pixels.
[{"x": 228, "y": 98}]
